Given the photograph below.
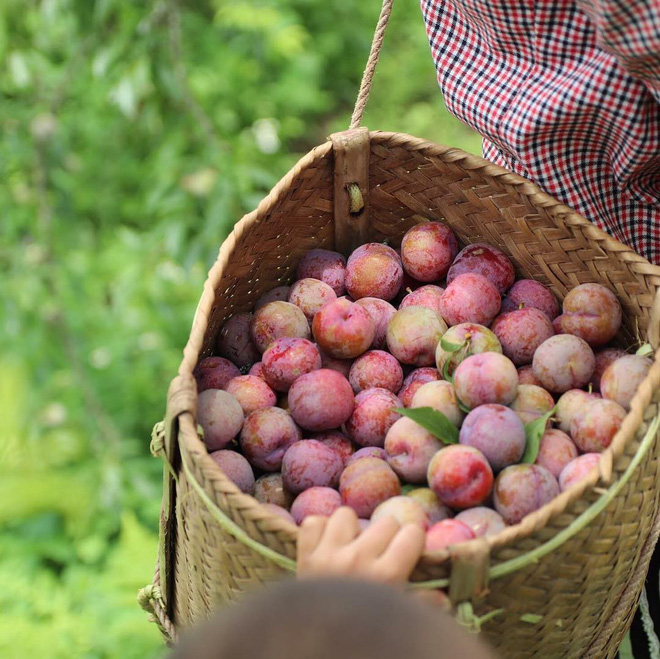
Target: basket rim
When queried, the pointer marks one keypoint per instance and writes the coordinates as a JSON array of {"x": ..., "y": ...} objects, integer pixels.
[{"x": 560, "y": 213}]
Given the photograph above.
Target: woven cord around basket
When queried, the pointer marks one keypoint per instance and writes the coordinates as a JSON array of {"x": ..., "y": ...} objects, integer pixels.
[
  {"x": 374, "y": 54},
  {"x": 151, "y": 600},
  {"x": 496, "y": 571}
]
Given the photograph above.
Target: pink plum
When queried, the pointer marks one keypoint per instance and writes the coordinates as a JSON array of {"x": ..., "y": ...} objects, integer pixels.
[
  {"x": 526, "y": 376},
  {"x": 310, "y": 463},
  {"x": 446, "y": 533},
  {"x": 591, "y": 312},
  {"x": 338, "y": 442},
  {"x": 578, "y": 469},
  {"x": 413, "y": 335},
  {"x": 376, "y": 368},
  {"x": 414, "y": 380},
  {"x": 287, "y": 359},
  {"x": 321, "y": 400},
  {"x": 569, "y": 404},
  {"x": 486, "y": 378},
  {"x": 563, "y": 362},
  {"x": 484, "y": 260},
  {"x": 221, "y": 417},
  {"x": 532, "y": 402},
  {"x": 556, "y": 451},
  {"x": 310, "y": 295},
  {"x": 315, "y": 501},
  {"x": 277, "y": 320},
  {"x": 593, "y": 427},
  {"x": 368, "y": 452},
  {"x": 257, "y": 370},
  {"x": 251, "y": 392},
  {"x": 236, "y": 468},
  {"x": 622, "y": 378},
  {"x": 440, "y": 396},
  {"x": 381, "y": 313},
  {"x": 214, "y": 373},
  {"x": 497, "y": 432},
  {"x": 521, "y": 332},
  {"x": 603, "y": 359},
  {"x": 372, "y": 416},
  {"x": 472, "y": 339},
  {"x": 373, "y": 270},
  {"x": 521, "y": 489},
  {"x": 470, "y": 298},
  {"x": 426, "y": 296},
  {"x": 483, "y": 521},
  {"x": 410, "y": 449},
  {"x": 277, "y": 294},
  {"x": 427, "y": 251},
  {"x": 531, "y": 294},
  {"x": 366, "y": 483},
  {"x": 234, "y": 341},
  {"x": 329, "y": 267},
  {"x": 269, "y": 488},
  {"x": 266, "y": 435},
  {"x": 343, "y": 329},
  {"x": 342, "y": 366},
  {"x": 460, "y": 476}
]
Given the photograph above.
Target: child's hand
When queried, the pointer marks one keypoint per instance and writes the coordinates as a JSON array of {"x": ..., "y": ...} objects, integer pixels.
[{"x": 334, "y": 546}]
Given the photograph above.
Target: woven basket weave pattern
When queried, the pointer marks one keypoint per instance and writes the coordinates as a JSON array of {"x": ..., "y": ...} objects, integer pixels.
[{"x": 576, "y": 587}]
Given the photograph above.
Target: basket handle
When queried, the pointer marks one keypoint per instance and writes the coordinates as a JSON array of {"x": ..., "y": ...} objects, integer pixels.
[
  {"x": 374, "y": 54},
  {"x": 653, "y": 332}
]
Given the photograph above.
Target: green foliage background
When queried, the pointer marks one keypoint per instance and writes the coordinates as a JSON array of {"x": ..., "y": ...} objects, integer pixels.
[{"x": 134, "y": 134}]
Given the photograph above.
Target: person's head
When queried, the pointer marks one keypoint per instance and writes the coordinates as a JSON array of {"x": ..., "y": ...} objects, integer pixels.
[{"x": 331, "y": 619}]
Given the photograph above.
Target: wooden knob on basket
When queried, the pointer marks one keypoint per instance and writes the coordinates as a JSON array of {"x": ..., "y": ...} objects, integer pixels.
[{"x": 351, "y": 188}]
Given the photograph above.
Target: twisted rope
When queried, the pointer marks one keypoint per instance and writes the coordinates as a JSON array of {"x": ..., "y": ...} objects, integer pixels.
[{"x": 374, "y": 54}]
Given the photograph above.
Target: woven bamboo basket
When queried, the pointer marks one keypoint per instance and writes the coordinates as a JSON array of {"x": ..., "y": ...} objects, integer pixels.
[{"x": 562, "y": 583}]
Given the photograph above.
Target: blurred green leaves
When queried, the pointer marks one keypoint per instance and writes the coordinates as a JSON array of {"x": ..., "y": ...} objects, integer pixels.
[{"x": 133, "y": 136}]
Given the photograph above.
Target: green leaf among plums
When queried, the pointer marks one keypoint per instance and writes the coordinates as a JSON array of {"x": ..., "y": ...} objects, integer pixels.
[
  {"x": 446, "y": 372},
  {"x": 433, "y": 421},
  {"x": 462, "y": 406},
  {"x": 448, "y": 346},
  {"x": 534, "y": 430}
]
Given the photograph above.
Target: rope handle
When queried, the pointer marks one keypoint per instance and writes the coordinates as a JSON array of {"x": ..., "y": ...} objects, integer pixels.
[
  {"x": 374, "y": 54},
  {"x": 653, "y": 331}
]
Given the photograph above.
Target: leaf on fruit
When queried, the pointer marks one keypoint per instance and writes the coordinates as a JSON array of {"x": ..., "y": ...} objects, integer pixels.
[
  {"x": 448, "y": 346},
  {"x": 462, "y": 406},
  {"x": 534, "y": 430},
  {"x": 433, "y": 421},
  {"x": 645, "y": 350},
  {"x": 532, "y": 618},
  {"x": 445, "y": 372}
]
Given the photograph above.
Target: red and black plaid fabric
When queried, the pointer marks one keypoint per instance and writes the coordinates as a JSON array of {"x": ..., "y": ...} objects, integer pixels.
[{"x": 565, "y": 93}]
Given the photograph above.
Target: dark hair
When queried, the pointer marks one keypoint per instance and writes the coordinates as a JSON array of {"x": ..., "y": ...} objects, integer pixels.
[{"x": 331, "y": 619}]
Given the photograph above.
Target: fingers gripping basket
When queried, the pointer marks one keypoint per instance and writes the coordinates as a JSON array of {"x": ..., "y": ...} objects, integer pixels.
[{"x": 566, "y": 580}]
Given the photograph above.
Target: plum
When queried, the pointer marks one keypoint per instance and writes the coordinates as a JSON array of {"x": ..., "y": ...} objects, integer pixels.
[
  {"x": 277, "y": 320},
  {"x": 470, "y": 298},
  {"x": 376, "y": 368},
  {"x": 427, "y": 251},
  {"x": 234, "y": 341},
  {"x": 221, "y": 417},
  {"x": 484, "y": 260},
  {"x": 321, "y": 400}
]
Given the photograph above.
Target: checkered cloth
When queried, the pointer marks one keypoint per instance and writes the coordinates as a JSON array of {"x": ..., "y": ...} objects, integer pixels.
[{"x": 565, "y": 93}]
